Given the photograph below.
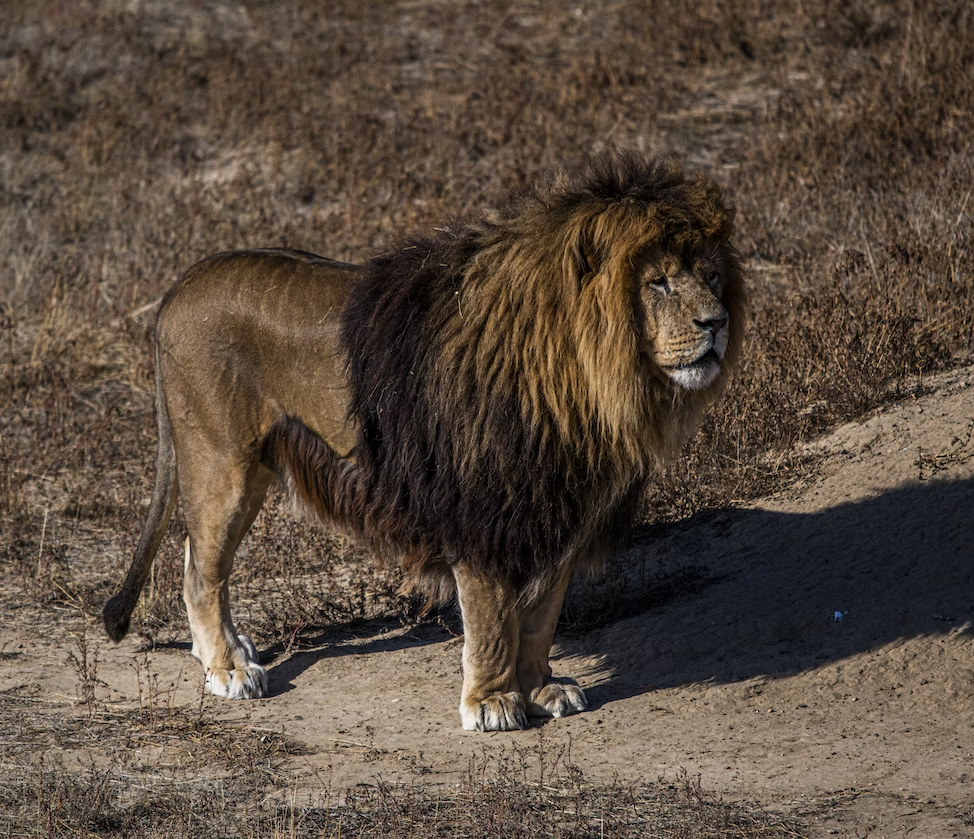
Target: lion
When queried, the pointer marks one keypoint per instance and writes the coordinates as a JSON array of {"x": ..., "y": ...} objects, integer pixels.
[{"x": 487, "y": 404}]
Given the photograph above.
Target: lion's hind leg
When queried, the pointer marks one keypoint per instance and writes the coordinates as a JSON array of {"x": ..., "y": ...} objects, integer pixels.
[
  {"x": 546, "y": 697},
  {"x": 491, "y": 699},
  {"x": 220, "y": 507}
]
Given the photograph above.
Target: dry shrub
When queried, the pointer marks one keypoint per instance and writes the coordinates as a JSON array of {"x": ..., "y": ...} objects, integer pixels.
[
  {"x": 202, "y": 786},
  {"x": 50, "y": 800}
]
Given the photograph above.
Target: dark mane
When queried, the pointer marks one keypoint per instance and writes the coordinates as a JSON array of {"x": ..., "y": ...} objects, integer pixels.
[{"x": 506, "y": 417}]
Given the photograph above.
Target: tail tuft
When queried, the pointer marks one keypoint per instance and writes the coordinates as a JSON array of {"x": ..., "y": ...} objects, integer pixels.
[{"x": 116, "y": 616}]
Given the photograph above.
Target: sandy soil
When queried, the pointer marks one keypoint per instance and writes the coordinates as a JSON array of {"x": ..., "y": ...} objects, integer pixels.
[{"x": 861, "y": 725}]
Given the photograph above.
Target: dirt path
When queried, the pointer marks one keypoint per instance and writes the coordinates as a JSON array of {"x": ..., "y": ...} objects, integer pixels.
[{"x": 863, "y": 725}]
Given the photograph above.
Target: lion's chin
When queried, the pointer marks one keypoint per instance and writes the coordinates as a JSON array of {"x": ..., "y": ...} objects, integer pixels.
[{"x": 699, "y": 375}]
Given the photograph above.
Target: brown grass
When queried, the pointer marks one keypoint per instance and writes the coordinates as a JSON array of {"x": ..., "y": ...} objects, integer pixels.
[
  {"x": 137, "y": 137},
  {"x": 213, "y": 780}
]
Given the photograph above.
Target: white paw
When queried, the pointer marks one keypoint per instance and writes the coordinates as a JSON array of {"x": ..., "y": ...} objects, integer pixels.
[
  {"x": 557, "y": 699},
  {"x": 500, "y": 712},
  {"x": 247, "y": 681}
]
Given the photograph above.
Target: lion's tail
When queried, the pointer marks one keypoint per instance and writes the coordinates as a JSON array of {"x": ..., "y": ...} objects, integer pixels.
[
  {"x": 328, "y": 483},
  {"x": 118, "y": 611}
]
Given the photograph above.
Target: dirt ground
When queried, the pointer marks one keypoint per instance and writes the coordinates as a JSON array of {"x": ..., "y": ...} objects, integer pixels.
[{"x": 824, "y": 664}]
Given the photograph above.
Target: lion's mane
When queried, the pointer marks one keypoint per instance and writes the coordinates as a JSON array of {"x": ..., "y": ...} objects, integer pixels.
[{"x": 507, "y": 417}]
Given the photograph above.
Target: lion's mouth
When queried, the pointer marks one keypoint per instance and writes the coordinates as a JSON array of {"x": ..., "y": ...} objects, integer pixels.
[
  {"x": 708, "y": 357},
  {"x": 697, "y": 374}
]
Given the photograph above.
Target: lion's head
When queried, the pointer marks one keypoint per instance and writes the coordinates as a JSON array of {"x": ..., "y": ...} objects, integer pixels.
[{"x": 629, "y": 266}]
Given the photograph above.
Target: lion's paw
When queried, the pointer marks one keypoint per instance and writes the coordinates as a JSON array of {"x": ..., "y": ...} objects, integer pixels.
[
  {"x": 557, "y": 699},
  {"x": 500, "y": 712},
  {"x": 248, "y": 681}
]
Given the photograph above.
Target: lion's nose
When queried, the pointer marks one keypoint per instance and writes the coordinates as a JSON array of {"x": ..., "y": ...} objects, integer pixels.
[{"x": 711, "y": 325}]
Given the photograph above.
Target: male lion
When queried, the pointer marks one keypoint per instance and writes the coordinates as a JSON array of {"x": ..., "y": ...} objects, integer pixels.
[{"x": 487, "y": 404}]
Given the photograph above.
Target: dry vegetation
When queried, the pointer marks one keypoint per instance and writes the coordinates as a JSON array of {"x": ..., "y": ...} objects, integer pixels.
[{"x": 137, "y": 137}]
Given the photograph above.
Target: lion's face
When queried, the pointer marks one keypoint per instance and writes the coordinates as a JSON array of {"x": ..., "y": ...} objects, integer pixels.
[{"x": 686, "y": 325}]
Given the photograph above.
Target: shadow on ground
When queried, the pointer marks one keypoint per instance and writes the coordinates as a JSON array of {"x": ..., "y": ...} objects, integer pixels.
[
  {"x": 770, "y": 587},
  {"x": 381, "y": 637}
]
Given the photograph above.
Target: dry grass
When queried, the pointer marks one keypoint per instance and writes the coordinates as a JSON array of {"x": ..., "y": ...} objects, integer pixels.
[
  {"x": 137, "y": 137},
  {"x": 158, "y": 771},
  {"x": 205, "y": 779}
]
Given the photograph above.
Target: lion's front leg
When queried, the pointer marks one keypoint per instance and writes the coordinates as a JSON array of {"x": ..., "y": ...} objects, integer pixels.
[
  {"x": 547, "y": 697},
  {"x": 491, "y": 699}
]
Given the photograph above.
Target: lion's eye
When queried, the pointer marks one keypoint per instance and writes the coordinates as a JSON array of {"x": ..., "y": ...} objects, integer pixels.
[
  {"x": 713, "y": 280},
  {"x": 661, "y": 284}
]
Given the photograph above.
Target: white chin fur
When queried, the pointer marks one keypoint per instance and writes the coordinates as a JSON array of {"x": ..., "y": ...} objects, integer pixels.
[{"x": 697, "y": 377}]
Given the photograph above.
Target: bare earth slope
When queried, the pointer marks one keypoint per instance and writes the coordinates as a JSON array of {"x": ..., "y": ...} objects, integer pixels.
[{"x": 862, "y": 725}]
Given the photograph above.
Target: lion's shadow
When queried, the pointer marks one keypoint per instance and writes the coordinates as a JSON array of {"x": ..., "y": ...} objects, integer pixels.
[
  {"x": 377, "y": 635},
  {"x": 771, "y": 594},
  {"x": 736, "y": 594}
]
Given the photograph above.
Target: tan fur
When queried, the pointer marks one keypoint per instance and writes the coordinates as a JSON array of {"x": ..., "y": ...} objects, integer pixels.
[{"x": 606, "y": 317}]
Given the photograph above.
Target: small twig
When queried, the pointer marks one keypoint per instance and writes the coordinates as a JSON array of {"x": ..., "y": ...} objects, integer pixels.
[
  {"x": 40, "y": 548},
  {"x": 963, "y": 207}
]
